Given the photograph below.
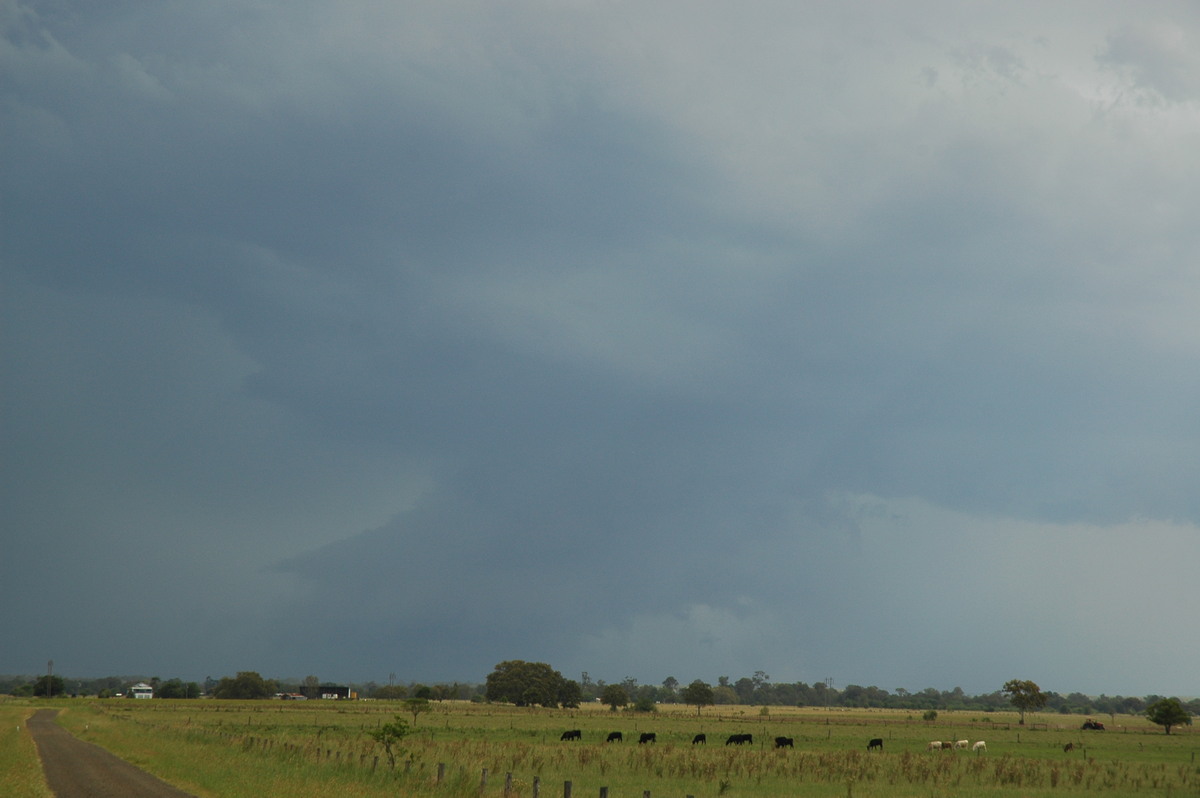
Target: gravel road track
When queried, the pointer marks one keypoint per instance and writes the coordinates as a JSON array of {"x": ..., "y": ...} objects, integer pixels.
[{"x": 76, "y": 769}]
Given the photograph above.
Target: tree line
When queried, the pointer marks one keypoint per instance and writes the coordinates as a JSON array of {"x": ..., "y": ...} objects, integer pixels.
[{"x": 527, "y": 683}]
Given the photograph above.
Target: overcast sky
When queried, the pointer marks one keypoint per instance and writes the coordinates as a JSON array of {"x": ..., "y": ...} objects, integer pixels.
[{"x": 842, "y": 340}]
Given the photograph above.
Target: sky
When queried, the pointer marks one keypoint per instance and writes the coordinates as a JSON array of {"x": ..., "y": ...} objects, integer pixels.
[{"x": 378, "y": 340}]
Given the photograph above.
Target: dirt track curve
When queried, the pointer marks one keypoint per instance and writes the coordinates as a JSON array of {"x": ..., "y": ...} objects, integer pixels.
[{"x": 75, "y": 769}]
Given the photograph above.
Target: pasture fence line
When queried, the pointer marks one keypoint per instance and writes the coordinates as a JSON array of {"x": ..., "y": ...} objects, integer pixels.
[{"x": 346, "y": 749}]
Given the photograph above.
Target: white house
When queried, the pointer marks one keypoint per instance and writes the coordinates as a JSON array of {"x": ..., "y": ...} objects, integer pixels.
[{"x": 142, "y": 690}]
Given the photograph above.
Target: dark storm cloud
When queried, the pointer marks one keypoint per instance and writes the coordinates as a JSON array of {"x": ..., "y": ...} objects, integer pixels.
[{"x": 630, "y": 340}]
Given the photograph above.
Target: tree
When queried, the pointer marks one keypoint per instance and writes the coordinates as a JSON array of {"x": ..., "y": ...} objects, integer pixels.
[
  {"x": 175, "y": 688},
  {"x": 389, "y": 736},
  {"x": 49, "y": 686},
  {"x": 698, "y": 694},
  {"x": 1026, "y": 696},
  {"x": 390, "y": 691},
  {"x": 247, "y": 684},
  {"x": 615, "y": 696},
  {"x": 1168, "y": 712},
  {"x": 416, "y": 706},
  {"x": 524, "y": 683},
  {"x": 570, "y": 694}
]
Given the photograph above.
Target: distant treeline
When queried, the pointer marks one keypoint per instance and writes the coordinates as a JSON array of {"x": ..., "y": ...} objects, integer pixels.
[{"x": 757, "y": 691}]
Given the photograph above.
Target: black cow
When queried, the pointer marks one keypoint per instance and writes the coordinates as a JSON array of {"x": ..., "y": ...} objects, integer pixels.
[
  {"x": 1069, "y": 747},
  {"x": 615, "y": 737},
  {"x": 1094, "y": 725},
  {"x": 573, "y": 734},
  {"x": 739, "y": 739},
  {"x": 647, "y": 737},
  {"x": 699, "y": 738},
  {"x": 783, "y": 742},
  {"x": 875, "y": 743}
]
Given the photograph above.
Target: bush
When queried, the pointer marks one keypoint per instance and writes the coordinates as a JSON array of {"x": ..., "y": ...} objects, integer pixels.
[{"x": 930, "y": 714}]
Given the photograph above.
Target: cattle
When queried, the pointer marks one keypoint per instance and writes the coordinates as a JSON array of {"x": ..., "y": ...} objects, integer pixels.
[
  {"x": 700, "y": 739},
  {"x": 979, "y": 746},
  {"x": 961, "y": 745},
  {"x": 784, "y": 742},
  {"x": 876, "y": 742},
  {"x": 573, "y": 734},
  {"x": 1068, "y": 748},
  {"x": 739, "y": 739},
  {"x": 647, "y": 737},
  {"x": 614, "y": 737},
  {"x": 934, "y": 745},
  {"x": 1094, "y": 725}
]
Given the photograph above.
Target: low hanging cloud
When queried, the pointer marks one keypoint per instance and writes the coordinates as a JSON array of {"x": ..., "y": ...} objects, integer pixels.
[{"x": 643, "y": 341}]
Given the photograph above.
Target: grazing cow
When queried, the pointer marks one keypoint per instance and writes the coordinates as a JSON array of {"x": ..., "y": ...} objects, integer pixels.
[
  {"x": 1094, "y": 725},
  {"x": 784, "y": 742},
  {"x": 979, "y": 746},
  {"x": 1068, "y": 747},
  {"x": 700, "y": 738},
  {"x": 573, "y": 734},
  {"x": 615, "y": 737},
  {"x": 739, "y": 739},
  {"x": 935, "y": 745},
  {"x": 877, "y": 742},
  {"x": 647, "y": 737},
  {"x": 961, "y": 744}
]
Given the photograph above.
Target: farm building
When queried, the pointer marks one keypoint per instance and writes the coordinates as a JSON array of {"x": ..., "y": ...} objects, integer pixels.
[
  {"x": 141, "y": 690},
  {"x": 328, "y": 691}
]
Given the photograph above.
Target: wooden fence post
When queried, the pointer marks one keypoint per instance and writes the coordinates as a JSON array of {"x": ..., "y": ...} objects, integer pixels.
[
  {"x": 441, "y": 774},
  {"x": 603, "y": 792},
  {"x": 508, "y": 783},
  {"x": 483, "y": 781},
  {"x": 566, "y": 789},
  {"x": 537, "y": 786}
]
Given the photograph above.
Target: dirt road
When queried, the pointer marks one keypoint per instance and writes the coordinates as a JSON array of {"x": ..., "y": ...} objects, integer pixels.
[{"x": 75, "y": 769}]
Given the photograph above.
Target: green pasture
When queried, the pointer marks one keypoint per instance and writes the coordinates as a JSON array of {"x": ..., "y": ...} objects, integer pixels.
[
  {"x": 20, "y": 770},
  {"x": 318, "y": 748}
]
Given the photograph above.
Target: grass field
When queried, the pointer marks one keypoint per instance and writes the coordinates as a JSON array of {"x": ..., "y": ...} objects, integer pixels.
[
  {"x": 267, "y": 748},
  {"x": 20, "y": 770}
]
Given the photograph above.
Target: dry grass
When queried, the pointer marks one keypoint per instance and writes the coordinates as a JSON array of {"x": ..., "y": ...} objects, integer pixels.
[
  {"x": 20, "y": 768},
  {"x": 232, "y": 749}
]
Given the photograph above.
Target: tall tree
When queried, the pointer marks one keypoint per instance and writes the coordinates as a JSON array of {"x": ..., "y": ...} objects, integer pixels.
[
  {"x": 570, "y": 694},
  {"x": 175, "y": 688},
  {"x": 247, "y": 684},
  {"x": 524, "y": 683},
  {"x": 49, "y": 686},
  {"x": 698, "y": 694},
  {"x": 1025, "y": 695},
  {"x": 1168, "y": 712},
  {"x": 615, "y": 696}
]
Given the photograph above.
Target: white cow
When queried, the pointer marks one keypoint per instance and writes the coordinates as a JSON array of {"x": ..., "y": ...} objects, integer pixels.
[
  {"x": 961, "y": 744},
  {"x": 936, "y": 745},
  {"x": 979, "y": 746}
]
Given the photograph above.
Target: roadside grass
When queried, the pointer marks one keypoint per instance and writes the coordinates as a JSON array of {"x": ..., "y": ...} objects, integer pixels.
[
  {"x": 256, "y": 749},
  {"x": 20, "y": 768}
]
